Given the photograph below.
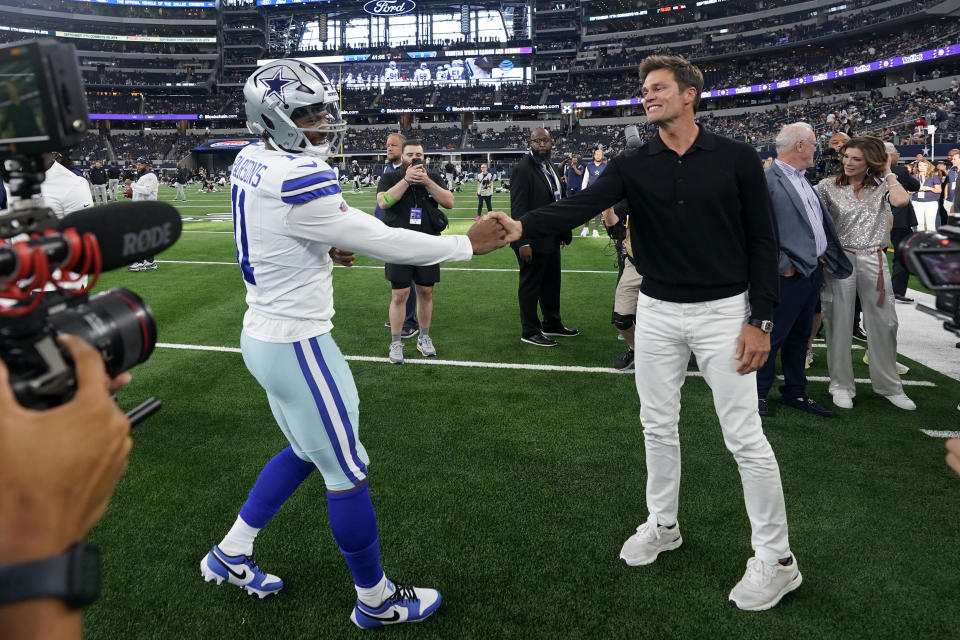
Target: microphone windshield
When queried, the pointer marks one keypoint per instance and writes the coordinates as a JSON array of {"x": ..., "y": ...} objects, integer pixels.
[{"x": 127, "y": 232}]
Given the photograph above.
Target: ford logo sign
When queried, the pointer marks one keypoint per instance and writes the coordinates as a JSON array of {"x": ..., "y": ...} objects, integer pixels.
[{"x": 389, "y": 7}]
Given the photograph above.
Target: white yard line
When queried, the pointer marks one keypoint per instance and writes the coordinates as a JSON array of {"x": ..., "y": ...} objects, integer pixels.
[{"x": 506, "y": 365}]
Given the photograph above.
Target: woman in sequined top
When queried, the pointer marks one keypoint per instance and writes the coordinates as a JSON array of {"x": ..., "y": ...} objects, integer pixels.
[{"x": 859, "y": 199}]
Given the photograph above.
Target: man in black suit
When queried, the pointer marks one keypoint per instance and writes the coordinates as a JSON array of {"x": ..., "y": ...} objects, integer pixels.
[
  {"x": 904, "y": 221},
  {"x": 534, "y": 183}
]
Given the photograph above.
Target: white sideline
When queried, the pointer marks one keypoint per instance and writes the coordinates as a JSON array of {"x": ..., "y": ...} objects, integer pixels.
[
  {"x": 380, "y": 267},
  {"x": 505, "y": 365}
]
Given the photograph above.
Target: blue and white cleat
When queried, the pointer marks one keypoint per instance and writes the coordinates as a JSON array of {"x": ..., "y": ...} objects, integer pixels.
[
  {"x": 239, "y": 570},
  {"x": 407, "y": 604}
]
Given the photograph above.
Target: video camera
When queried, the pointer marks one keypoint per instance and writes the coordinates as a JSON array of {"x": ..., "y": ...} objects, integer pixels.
[
  {"x": 934, "y": 257},
  {"x": 45, "y": 260}
]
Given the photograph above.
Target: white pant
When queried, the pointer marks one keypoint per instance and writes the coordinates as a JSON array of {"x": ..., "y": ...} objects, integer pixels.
[
  {"x": 100, "y": 193},
  {"x": 926, "y": 215},
  {"x": 665, "y": 334},
  {"x": 837, "y": 299},
  {"x": 114, "y": 186},
  {"x": 181, "y": 194}
]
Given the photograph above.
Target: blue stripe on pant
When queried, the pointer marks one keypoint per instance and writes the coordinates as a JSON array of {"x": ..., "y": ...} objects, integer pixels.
[{"x": 314, "y": 400}]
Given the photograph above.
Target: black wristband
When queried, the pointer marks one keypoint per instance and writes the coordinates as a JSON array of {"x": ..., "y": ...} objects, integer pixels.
[{"x": 74, "y": 576}]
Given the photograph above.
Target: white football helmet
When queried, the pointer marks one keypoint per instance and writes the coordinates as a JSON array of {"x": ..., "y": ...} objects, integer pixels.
[{"x": 282, "y": 91}]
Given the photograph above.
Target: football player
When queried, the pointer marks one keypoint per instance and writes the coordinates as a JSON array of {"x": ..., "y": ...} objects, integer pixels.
[
  {"x": 291, "y": 225},
  {"x": 422, "y": 74},
  {"x": 456, "y": 70},
  {"x": 391, "y": 73}
]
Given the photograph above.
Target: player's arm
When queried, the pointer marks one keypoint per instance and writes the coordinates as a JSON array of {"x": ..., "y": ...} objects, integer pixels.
[{"x": 324, "y": 220}]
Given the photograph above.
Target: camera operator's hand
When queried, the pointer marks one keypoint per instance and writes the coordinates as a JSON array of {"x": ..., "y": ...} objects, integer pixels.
[
  {"x": 416, "y": 174},
  {"x": 953, "y": 454},
  {"x": 513, "y": 227},
  {"x": 486, "y": 235},
  {"x": 58, "y": 467},
  {"x": 526, "y": 253},
  {"x": 342, "y": 256}
]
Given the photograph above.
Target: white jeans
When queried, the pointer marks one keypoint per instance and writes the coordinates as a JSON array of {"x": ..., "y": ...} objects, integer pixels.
[
  {"x": 665, "y": 334},
  {"x": 926, "y": 215}
]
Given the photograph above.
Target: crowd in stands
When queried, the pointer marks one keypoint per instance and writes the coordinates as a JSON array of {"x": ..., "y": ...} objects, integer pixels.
[
  {"x": 730, "y": 8},
  {"x": 115, "y": 10},
  {"x": 399, "y": 97}
]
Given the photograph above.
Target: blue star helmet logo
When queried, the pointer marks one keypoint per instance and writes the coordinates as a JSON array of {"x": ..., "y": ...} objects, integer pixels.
[{"x": 276, "y": 85}]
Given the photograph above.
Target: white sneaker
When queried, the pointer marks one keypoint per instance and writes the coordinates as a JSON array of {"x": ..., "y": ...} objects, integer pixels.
[
  {"x": 396, "y": 352},
  {"x": 596, "y": 234},
  {"x": 763, "y": 585},
  {"x": 584, "y": 233},
  {"x": 136, "y": 266},
  {"x": 842, "y": 399},
  {"x": 425, "y": 346},
  {"x": 809, "y": 360},
  {"x": 901, "y": 401},
  {"x": 651, "y": 538}
]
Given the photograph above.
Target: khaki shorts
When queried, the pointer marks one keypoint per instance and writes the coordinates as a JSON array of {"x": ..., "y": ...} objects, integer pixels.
[{"x": 625, "y": 299}]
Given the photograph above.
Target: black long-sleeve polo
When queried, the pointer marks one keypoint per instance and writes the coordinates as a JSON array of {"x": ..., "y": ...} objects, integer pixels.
[{"x": 701, "y": 224}]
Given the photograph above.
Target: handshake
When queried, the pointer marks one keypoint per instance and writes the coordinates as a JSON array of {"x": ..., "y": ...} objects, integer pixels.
[{"x": 494, "y": 230}]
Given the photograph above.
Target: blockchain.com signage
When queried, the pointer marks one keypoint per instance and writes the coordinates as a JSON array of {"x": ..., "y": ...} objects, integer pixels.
[{"x": 389, "y": 7}]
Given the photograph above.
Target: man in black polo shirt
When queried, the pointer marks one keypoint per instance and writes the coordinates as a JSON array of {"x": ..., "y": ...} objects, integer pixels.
[
  {"x": 703, "y": 237},
  {"x": 409, "y": 197}
]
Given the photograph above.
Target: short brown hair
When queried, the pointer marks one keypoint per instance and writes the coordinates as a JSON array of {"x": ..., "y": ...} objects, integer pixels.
[
  {"x": 685, "y": 72},
  {"x": 412, "y": 142},
  {"x": 873, "y": 152}
]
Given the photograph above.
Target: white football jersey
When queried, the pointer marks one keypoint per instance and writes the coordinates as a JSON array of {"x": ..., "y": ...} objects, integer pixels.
[
  {"x": 421, "y": 75},
  {"x": 288, "y": 212},
  {"x": 456, "y": 73},
  {"x": 391, "y": 74},
  {"x": 146, "y": 186}
]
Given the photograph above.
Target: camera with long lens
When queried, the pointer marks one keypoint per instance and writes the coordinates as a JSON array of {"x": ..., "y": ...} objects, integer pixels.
[
  {"x": 48, "y": 265},
  {"x": 934, "y": 257}
]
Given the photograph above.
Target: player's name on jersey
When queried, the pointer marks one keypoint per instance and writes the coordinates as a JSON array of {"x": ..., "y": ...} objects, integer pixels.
[{"x": 248, "y": 171}]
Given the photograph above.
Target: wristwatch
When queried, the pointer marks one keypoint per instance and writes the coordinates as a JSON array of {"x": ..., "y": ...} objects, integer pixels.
[
  {"x": 74, "y": 575},
  {"x": 764, "y": 325}
]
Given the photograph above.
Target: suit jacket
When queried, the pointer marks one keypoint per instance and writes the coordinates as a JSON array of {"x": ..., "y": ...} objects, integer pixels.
[
  {"x": 904, "y": 217},
  {"x": 529, "y": 190},
  {"x": 797, "y": 246}
]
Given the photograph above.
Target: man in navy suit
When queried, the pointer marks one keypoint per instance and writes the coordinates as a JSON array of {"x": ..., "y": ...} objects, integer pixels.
[{"x": 808, "y": 245}]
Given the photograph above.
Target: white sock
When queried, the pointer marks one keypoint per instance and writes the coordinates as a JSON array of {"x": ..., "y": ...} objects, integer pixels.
[
  {"x": 239, "y": 540},
  {"x": 375, "y": 595}
]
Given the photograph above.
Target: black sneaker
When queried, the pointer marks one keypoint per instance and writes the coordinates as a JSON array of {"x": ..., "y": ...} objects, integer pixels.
[
  {"x": 762, "y": 407},
  {"x": 859, "y": 334},
  {"x": 903, "y": 299},
  {"x": 561, "y": 332},
  {"x": 808, "y": 405},
  {"x": 409, "y": 332},
  {"x": 624, "y": 360},
  {"x": 539, "y": 340}
]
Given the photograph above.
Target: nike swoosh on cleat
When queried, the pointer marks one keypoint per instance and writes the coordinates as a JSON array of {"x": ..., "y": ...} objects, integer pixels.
[
  {"x": 238, "y": 576},
  {"x": 393, "y": 618}
]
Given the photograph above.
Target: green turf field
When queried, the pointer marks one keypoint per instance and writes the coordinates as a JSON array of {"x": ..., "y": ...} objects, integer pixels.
[{"x": 508, "y": 489}]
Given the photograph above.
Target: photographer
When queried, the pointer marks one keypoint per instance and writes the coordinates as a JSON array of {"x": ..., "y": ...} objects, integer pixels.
[
  {"x": 410, "y": 197},
  {"x": 484, "y": 190},
  {"x": 573, "y": 175},
  {"x": 55, "y": 488}
]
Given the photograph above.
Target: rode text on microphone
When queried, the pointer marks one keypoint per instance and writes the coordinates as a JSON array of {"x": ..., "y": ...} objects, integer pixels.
[{"x": 42, "y": 259}]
